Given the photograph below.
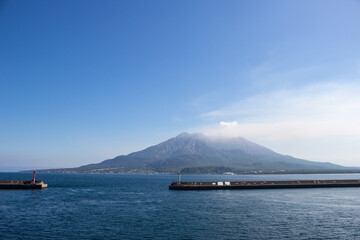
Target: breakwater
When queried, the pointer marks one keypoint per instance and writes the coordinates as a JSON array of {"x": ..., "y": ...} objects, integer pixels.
[{"x": 262, "y": 184}]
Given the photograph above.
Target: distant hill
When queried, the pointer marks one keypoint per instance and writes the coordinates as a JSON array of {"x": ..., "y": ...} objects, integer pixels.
[{"x": 197, "y": 153}]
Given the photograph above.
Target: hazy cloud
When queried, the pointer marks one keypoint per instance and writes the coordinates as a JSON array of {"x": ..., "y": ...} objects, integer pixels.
[
  {"x": 289, "y": 119},
  {"x": 320, "y": 110}
]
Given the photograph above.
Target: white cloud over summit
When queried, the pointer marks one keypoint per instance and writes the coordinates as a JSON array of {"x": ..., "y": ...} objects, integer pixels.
[{"x": 228, "y": 124}]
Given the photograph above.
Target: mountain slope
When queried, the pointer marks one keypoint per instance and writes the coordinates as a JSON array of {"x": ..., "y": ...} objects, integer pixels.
[{"x": 187, "y": 151}]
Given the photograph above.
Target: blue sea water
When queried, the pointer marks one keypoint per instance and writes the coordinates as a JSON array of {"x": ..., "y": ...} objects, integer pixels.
[{"x": 84, "y": 206}]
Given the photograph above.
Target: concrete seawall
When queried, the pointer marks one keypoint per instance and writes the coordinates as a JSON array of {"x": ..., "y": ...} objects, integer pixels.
[
  {"x": 263, "y": 184},
  {"x": 22, "y": 184}
]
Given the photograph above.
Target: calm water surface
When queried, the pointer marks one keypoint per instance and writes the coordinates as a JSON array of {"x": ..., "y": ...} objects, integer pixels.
[{"x": 141, "y": 207}]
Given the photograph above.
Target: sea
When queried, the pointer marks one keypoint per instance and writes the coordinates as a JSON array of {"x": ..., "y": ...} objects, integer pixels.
[{"x": 95, "y": 206}]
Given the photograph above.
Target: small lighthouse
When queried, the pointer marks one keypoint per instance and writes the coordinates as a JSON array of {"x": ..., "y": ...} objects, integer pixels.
[{"x": 34, "y": 177}]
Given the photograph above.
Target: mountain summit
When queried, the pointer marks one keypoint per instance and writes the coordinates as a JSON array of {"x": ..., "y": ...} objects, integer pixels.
[{"x": 197, "y": 153}]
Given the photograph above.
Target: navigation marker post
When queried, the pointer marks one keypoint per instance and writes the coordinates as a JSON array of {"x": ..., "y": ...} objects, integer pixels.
[{"x": 34, "y": 177}]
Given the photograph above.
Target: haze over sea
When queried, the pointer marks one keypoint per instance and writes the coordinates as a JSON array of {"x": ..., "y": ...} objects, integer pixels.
[{"x": 85, "y": 206}]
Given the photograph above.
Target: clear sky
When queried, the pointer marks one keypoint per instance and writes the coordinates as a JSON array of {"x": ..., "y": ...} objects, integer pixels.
[{"x": 84, "y": 81}]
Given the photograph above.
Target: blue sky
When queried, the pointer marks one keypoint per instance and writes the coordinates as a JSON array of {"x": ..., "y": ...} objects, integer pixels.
[{"x": 83, "y": 81}]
